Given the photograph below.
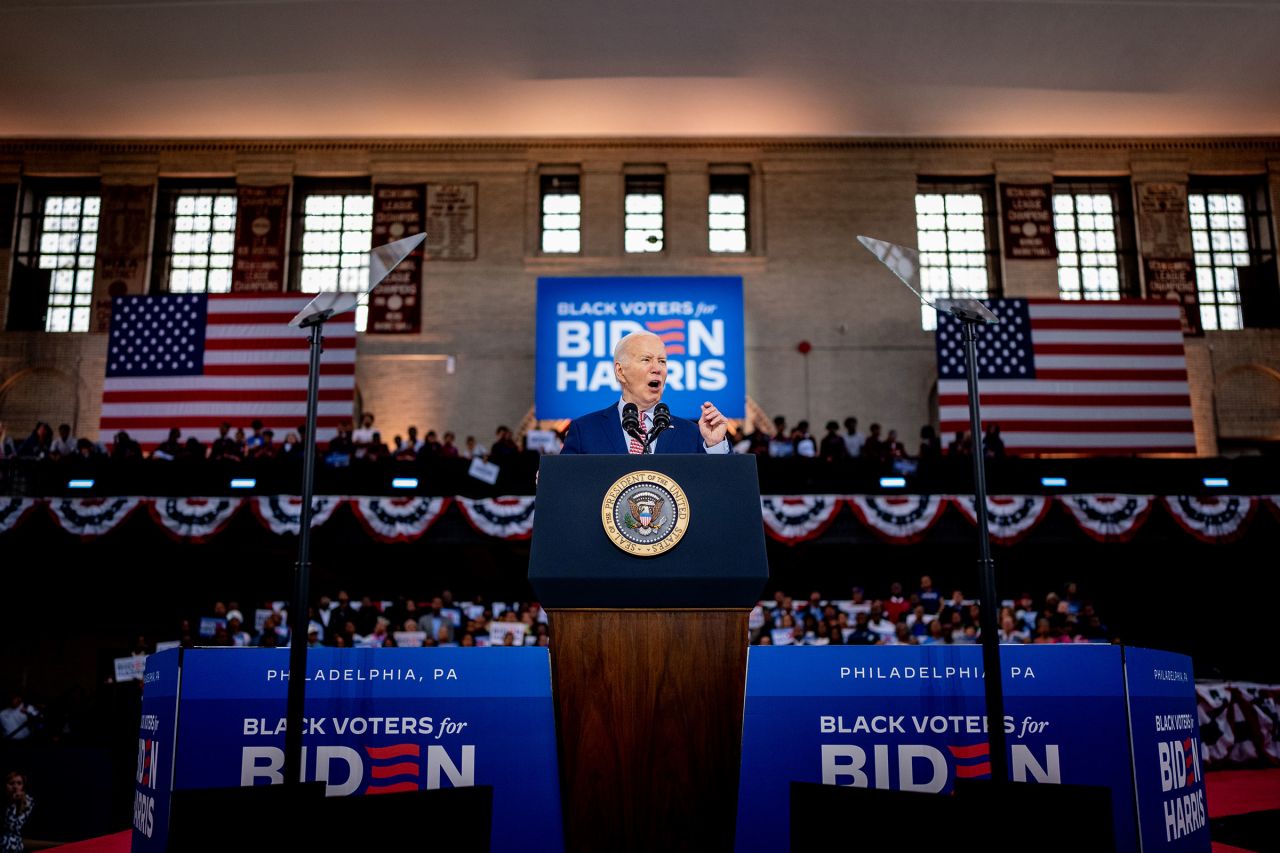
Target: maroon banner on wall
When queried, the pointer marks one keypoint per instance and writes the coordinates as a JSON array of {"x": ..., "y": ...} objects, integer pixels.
[
  {"x": 124, "y": 233},
  {"x": 1027, "y": 215},
  {"x": 394, "y": 307},
  {"x": 261, "y": 214},
  {"x": 1175, "y": 279}
]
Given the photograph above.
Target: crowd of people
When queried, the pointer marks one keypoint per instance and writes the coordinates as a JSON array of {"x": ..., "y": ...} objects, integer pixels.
[
  {"x": 238, "y": 443},
  {"x": 923, "y": 617},
  {"x": 256, "y": 442},
  {"x": 876, "y": 445},
  {"x": 340, "y": 622}
]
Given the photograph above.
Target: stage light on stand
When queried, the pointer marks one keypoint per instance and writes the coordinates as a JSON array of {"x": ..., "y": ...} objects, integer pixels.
[
  {"x": 1053, "y": 482},
  {"x": 404, "y": 482},
  {"x": 1216, "y": 482},
  {"x": 243, "y": 483},
  {"x": 80, "y": 484},
  {"x": 893, "y": 482}
]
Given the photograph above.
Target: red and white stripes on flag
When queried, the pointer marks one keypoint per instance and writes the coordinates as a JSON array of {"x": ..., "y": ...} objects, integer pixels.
[
  {"x": 238, "y": 361},
  {"x": 1075, "y": 377}
]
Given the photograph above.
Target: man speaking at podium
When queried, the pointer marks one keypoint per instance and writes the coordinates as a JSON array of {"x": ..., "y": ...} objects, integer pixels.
[{"x": 640, "y": 421}]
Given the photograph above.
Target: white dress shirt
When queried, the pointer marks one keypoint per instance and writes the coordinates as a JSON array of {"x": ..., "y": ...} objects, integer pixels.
[{"x": 646, "y": 419}]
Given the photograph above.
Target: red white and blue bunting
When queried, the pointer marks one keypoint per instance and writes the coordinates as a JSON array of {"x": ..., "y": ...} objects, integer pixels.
[
  {"x": 898, "y": 518},
  {"x": 796, "y": 518},
  {"x": 1221, "y": 518},
  {"x": 88, "y": 517},
  {"x": 505, "y": 518},
  {"x": 1109, "y": 518},
  {"x": 13, "y": 510},
  {"x": 790, "y": 519},
  {"x": 194, "y": 519},
  {"x": 397, "y": 519},
  {"x": 283, "y": 513},
  {"x": 1010, "y": 518}
]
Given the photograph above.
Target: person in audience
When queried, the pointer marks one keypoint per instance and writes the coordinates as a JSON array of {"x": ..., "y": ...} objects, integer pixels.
[
  {"x": 472, "y": 450},
  {"x": 1009, "y": 632},
  {"x": 803, "y": 442},
  {"x": 896, "y": 604},
  {"x": 504, "y": 445},
  {"x": 171, "y": 448},
  {"x": 18, "y": 805},
  {"x": 930, "y": 445},
  {"x": 874, "y": 447},
  {"x": 64, "y": 446},
  {"x": 223, "y": 447},
  {"x": 902, "y": 636},
  {"x": 852, "y": 440},
  {"x": 928, "y": 596},
  {"x": 862, "y": 635},
  {"x": 255, "y": 439},
  {"x": 918, "y": 621},
  {"x": 363, "y": 435},
  {"x": 431, "y": 445},
  {"x": 37, "y": 444},
  {"x": 18, "y": 720},
  {"x": 960, "y": 445},
  {"x": 878, "y": 624},
  {"x": 936, "y": 636},
  {"x": 833, "y": 446},
  {"x": 780, "y": 445},
  {"x": 992, "y": 443}
]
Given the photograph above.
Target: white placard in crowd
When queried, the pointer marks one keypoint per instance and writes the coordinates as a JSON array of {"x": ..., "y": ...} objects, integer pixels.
[
  {"x": 260, "y": 617},
  {"x": 485, "y": 472},
  {"x": 131, "y": 668},
  {"x": 756, "y": 620},
  {"x": 542, "y": 441},
  {"x": 410, "y": 639},
  {"x": 279, "y": 606},
  {"x": 498, "y": 608},
  {"x": 209, "y": 625},
  {"x": 498, "y": 632},
  {"x": 473, "y": 611},
  {"x": 781, "y": 637}
]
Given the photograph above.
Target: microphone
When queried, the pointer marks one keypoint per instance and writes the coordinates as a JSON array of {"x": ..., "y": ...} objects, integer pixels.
[
  {"x": 631, "y": 420},
  {"x": 661, "y": 421}
]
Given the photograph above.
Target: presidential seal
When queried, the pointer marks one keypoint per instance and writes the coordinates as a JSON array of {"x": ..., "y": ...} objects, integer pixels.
[{"x": 645, "y": 513}]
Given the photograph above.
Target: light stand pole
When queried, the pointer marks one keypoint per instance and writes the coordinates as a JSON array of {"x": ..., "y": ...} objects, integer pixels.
[
  {"x": 299, "y": 610},
  {"x": 993, "y": 678},
  {"x": 904, "y": 262},
  {"x": 326, "y": 306}
]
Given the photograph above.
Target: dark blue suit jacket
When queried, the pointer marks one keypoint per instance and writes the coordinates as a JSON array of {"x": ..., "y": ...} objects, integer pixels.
[{"x": 601, "y": 432}]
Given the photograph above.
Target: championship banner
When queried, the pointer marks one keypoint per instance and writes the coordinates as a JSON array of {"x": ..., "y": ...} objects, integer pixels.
[
  {"x": 157, "y": 734},
  {"x": 912, "y": 718},
  {"x": 395, "y": 306},
  {"x": 580, "y": 320},
  {"x": 381, "y": 721},
  {"x": 1167, "y": 760},
  {"x": 261, "y": 215},
  {"x": 1027, "y": 214},
  {"x": 1175, "y": 279}
]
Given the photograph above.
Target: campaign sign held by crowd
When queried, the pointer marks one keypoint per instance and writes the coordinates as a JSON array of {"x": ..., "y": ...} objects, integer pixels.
[
  {"x": 580, "y": 320},
  {"x": 913, "y": 718},
  {"x": 382, "y": 721},
  {"x": 1165, "y": 722},
  {"x": 156, "y": 736}
]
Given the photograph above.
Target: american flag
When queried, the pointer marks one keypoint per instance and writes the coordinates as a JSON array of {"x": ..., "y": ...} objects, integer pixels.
[
  {"x": 193, "y": 361},
  {"x": 1073, "y": 377}
]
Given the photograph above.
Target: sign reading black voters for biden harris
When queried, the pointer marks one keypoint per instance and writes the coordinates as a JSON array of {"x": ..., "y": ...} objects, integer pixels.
[
  {"x": 376, "y": 721},
  {"x": 580, "y": 320}
]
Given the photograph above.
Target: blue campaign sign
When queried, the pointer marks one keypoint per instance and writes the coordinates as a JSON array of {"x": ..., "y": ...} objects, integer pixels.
[
  {"x": 581, "y": 319},
  {"x": 380, "y": 721},
  {"x": 1165, "y": 724},
  {"x": 912, "y": 718},
  {"x": 156, "y": 737}
]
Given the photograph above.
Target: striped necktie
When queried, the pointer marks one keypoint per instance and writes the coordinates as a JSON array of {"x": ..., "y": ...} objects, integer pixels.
[{"x": 637, "y": 446}]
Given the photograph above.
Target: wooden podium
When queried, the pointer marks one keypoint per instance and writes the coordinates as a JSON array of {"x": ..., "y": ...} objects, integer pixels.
[{"x": 648, "y": 653}]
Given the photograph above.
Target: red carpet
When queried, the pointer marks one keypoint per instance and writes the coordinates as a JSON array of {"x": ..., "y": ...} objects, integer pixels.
[{"x": 1236, "y": 793}]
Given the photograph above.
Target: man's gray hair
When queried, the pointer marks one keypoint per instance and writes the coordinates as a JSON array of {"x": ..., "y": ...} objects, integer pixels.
[{"x": 626, "y": 339}]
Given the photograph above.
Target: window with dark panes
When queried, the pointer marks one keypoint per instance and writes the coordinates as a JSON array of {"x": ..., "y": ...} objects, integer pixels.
[
  {"x": 727, "y": 212},
  {"x": 55, "y": 253},
  {"x": 561, "y": 214},
  {"x": 1093, "y": 226},
  {"x": 1234, "y": 255},
  {"x": 643, "y": 211},
  {"x": 332, "y": 235},
  {"x": 195, "y": 237},
  {"x": 956, "y": 233}
]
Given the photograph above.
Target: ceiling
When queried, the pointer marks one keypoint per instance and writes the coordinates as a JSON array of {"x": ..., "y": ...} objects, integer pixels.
[{"x": 359, "y": 68}]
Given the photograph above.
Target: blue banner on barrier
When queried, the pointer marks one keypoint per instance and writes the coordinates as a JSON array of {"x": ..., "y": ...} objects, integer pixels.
[
  {"x": 912, "y": 718},
  {"x": 157, "y": 735},
  {"x": 1165, "y": 724},
  {"x": 380, "y": 721},
  {"x": 579, "y": 320}
]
